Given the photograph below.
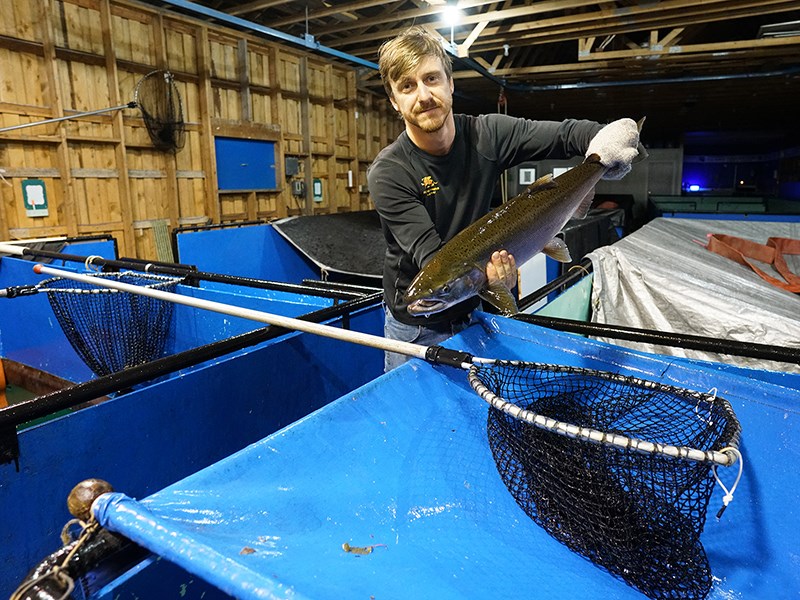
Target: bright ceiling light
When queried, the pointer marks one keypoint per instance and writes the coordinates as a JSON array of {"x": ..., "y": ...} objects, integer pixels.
[{"x": 451, "y": 15}]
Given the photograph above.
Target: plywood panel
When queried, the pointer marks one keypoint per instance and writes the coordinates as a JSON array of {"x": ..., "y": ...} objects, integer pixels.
[
  {"x": 289, "y": 72},
  {"x": 259, "y": 66},
  {"x": 190, "y": 198},
  {"x": 84, "y": 87},
  {"x": 227, "y": 104},
  {"x": 133, "y": 35},
  {"x": 341, "y": 124},
  {"x": 224, "y": 59},
  {"x": 233, "y": 207},
  {"x": 318, "y": 80},
  {"x": 23, "y": 79},
  {"x": 262, "y": 108},
  {"x": 320, "y": 125},
  {"x": 181, "y": 46},
  {"x": 76, "y": 26},
  {"x": 21, "y": 19}
]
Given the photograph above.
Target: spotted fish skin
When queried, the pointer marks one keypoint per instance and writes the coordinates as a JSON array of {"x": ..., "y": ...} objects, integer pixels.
[{"x": 524, "y": 226}]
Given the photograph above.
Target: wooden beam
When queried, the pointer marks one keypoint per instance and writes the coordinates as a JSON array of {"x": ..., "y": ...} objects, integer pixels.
[
  {"x": 337, "y": 9},
  {"x": 724, "y": 47},
  {"x": 463, "y": 48},
  {"x": 255, "y": 6}
]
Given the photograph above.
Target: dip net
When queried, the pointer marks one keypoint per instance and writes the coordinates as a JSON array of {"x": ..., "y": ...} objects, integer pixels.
[
  {"x": 159, "y": 101},
  {"x": 618, "y": 469},
  {"x": 112, "y": 330}
]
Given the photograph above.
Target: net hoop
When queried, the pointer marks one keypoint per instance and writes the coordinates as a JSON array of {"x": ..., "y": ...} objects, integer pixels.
[
  {"x": 724, "y": 457},
  {"x": 158, "y": 282},
  {"x": 159, "y": 101}
]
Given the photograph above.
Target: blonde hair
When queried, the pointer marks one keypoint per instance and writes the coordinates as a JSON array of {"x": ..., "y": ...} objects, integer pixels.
[{"x": 401, "y": 55}]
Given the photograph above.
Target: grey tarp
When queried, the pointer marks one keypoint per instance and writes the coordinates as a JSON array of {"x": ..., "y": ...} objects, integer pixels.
[{"x": 663, "y": 278}]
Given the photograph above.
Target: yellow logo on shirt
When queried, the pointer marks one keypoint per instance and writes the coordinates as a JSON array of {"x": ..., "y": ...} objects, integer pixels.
[{"x": 429, "y": 186}]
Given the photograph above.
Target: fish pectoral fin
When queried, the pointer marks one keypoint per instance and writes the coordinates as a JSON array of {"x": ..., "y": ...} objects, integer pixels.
[
  {"x": 498, "y": 296},
  {"x": 557, "y": 250}
]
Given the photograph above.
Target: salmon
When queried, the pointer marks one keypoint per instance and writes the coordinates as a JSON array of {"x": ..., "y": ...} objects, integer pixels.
[{"x": 524, "y": 226}]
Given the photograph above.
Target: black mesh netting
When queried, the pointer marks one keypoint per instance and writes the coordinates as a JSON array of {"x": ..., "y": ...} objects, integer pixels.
[
  {"x": 159, "y": 101},
  {"x": 638, "y": 515},
  {"x": 112, "y": 330}
]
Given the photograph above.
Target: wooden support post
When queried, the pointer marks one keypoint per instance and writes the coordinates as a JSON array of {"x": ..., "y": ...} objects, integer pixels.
[
  {"x": 212, "y": 199},
  {"x": 57, "y": 107},
  {"x": 305, "y": 114}
]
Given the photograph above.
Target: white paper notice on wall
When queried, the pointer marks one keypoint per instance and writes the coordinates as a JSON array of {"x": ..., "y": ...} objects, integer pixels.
[{"x": 34, "y": 195}]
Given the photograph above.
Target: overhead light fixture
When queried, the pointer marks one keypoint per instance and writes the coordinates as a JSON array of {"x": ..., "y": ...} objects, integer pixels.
[{"x": 451, "y": 15}]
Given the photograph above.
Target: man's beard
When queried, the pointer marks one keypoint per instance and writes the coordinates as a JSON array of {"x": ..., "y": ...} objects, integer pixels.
[{"x": 428, "y": 124}]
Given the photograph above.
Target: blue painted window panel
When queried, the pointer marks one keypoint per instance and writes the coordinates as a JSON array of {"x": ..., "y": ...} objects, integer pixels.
[{"x": 245, "y": 164}]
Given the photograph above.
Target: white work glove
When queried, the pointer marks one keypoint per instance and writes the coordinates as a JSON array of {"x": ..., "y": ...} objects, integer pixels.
[{"x": 617, "y": 145}]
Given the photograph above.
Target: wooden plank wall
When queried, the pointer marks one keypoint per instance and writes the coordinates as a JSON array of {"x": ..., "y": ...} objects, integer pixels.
[{"x": 102, "y": 173}]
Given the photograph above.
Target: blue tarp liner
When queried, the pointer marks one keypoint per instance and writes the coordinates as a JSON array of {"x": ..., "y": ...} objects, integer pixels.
[{"x": 403, "y": 464}]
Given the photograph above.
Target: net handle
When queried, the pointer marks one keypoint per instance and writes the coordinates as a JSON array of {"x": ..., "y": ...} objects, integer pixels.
[
  {"x": 435, "y": 354},
  {"x": 357, "y": 337},
  {"x": 70, "y": 117}
]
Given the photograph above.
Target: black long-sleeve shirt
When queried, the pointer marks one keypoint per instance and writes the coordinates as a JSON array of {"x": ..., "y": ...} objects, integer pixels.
[{"x": 425, "y": 200}]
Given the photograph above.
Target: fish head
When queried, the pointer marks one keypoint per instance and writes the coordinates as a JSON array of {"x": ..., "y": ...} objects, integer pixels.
[{"x": 433, "y": 292}]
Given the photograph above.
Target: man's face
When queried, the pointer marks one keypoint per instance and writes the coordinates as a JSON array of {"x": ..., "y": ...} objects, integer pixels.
[{"x": 424, "y": 97}]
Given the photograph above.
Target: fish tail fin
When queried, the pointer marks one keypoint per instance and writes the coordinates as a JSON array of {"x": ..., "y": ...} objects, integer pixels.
[{"x": 592, "y": 158}]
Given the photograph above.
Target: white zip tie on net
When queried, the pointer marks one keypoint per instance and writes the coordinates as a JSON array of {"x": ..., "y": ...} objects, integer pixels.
[{"x": 726, "y": 499}]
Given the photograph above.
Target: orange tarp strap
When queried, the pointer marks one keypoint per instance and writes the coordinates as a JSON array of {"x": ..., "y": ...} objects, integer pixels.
[
  {"x": 3, "y": 399},
  {"x": 772, "y": 253}
]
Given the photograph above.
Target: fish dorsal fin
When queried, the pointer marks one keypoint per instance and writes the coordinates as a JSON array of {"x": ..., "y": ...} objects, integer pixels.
[
  {"x": 545, "y": 182},
  {"x": 557, "y": 250}
]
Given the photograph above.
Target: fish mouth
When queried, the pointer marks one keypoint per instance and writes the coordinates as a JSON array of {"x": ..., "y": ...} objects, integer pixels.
[{"x": 426, "y": 307}]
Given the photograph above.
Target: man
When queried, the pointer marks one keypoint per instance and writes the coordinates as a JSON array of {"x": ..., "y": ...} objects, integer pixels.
[{"x": 439, "y": 175}]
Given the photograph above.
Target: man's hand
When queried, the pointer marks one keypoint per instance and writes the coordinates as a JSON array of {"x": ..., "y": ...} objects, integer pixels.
[
  {"x": 617, "y": 144},
  {"x": 502, "y": 269}
]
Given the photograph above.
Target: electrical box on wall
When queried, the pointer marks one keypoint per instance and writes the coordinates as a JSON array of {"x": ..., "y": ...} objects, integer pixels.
[
  {"x": 298, "y": 189},
  {"x": 292, "y": 166}
]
